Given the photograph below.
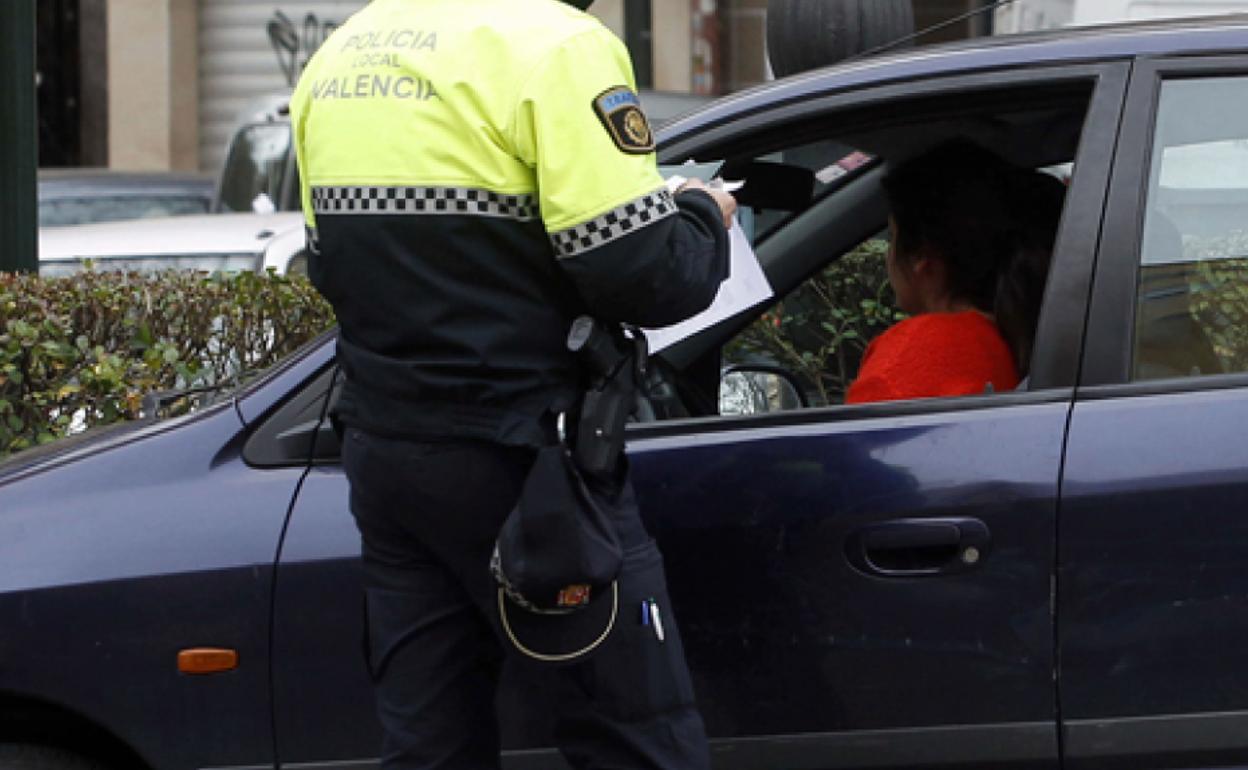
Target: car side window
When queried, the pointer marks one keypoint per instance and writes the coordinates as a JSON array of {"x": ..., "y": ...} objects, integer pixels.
[
  {"x": 819, "y": 331},
  {"x": 816, "y": 334},
  {"x": 1192, "y": 298}
]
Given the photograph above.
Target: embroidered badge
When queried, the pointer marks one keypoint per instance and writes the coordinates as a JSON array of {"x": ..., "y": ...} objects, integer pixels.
[
  {"x": 620, "y": 112},
  {"x": 573, "y": 596}
]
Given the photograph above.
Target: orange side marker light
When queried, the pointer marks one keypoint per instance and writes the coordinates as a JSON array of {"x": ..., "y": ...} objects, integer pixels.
[{"x": 207, "y": 660}]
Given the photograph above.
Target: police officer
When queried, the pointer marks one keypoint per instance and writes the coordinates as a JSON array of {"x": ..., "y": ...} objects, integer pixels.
[{"x": 476, "y": 174}]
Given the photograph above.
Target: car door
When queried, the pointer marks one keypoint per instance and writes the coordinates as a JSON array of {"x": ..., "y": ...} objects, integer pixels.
[
  {"x": 871, "y": 585},
  {"x": 858, "y": 586},
  {"x": 1154, "y": 535}
]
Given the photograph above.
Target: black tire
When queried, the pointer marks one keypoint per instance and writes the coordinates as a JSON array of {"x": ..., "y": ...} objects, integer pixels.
[
  {"x": 29, "y": 756},
  {"x": 808, "y": 34}
]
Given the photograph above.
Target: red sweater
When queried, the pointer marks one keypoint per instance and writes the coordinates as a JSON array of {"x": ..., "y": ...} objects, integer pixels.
[{"x": 935, "y": 354}]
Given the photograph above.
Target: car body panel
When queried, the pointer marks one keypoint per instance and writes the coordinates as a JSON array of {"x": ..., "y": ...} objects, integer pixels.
[
  {"x": 1152, "y": 579},
  {"x": 796, "y": 639},
  {"x": 164, "y": 541},
  {"x": 790, "y": 641},
  {"x": 202, "y": 242},
  {"x": 319, "y": 614},
  {"x": 164, "y": 456}
]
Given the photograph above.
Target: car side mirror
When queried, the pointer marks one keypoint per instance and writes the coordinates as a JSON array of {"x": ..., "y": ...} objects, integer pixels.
[{"x": 758, "y": 389}]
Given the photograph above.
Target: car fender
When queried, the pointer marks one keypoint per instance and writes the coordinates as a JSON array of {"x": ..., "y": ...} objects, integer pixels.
[{"x": 284, "y": 246}]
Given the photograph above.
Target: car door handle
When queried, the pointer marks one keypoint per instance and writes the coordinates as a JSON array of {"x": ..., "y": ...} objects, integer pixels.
[{"x": 918, "y": 547}]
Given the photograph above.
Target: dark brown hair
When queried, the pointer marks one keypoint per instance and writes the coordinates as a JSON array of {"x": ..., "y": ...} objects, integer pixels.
[
  {"x": 1038, "y": 199},
  {"x": 991, "y": 223}
]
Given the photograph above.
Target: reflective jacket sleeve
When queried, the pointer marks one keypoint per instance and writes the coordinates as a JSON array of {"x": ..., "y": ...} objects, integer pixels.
[
  {"x": 298, "y": 116},
  {"x": 634, "y": 252},
  {"x": 659, "y": 274}
]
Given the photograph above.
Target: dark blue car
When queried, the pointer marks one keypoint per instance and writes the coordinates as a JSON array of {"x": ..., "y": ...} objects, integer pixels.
[{"x": 1055, "y": 576}]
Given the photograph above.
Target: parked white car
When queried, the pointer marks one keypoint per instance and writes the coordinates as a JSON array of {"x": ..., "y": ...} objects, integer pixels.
[{"x": 209, "y": 242}]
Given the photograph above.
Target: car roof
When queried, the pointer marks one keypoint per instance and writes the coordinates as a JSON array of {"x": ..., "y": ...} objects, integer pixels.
[
  {"x": 242, "y": 233},
  {"x": 70, "y": 182},
  {"x": 1177, "y": 37}
]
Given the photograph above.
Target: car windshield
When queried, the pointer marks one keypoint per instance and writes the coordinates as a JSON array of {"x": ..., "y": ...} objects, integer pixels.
[
  {"x": 113, "y": 208},
  {"x": 255, "y": 170}
]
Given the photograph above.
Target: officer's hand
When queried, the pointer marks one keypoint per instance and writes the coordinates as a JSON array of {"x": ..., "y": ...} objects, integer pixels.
[{"x": 727, "y": 204}]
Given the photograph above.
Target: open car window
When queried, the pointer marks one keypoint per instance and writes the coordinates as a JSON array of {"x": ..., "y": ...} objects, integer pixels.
[
  {"x": 823, "y": 245},
  {"x": 819, "y": 331}
]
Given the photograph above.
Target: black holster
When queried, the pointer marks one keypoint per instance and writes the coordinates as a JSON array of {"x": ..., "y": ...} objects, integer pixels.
[{"x": 614, "y": 360}]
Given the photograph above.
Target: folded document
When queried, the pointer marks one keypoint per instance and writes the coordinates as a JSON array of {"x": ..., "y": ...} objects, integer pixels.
[{"x": 745, "y": 287}]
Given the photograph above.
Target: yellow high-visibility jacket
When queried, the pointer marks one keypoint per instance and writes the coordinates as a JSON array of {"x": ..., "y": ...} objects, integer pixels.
[{"x": 474, "y": 174}]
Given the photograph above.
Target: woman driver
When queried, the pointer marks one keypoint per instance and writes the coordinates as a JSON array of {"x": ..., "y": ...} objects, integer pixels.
[{"x": 967, "y": 231}]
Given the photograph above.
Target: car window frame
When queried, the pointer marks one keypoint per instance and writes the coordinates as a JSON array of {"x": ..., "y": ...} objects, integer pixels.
[
  {"x": 1058, "y": 350},
  {"x": 1070, "y": 276},
  {"x": 1110, "y": 344}
]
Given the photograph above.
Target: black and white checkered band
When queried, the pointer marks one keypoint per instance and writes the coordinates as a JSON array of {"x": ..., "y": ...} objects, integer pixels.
[
  {"x": 424, "y": 200},
  {"x": 618, "y": 222}
]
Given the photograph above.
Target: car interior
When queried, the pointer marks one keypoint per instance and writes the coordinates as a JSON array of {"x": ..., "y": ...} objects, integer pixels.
[{"x": 813, "y": 198}]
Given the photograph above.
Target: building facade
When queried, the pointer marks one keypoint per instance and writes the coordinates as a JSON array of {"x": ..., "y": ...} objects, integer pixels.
[
  {"x": 181, "y": 74},
  {"x": 162, "y": 84},
  {"x": 1027, "y": 15}
]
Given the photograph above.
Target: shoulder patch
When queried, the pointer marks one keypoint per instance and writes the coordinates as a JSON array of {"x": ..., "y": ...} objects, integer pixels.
[{"x": 620, "y": 112}]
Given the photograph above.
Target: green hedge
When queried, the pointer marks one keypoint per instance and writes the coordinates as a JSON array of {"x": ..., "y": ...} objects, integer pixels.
[{"x": 84, "y": 350}]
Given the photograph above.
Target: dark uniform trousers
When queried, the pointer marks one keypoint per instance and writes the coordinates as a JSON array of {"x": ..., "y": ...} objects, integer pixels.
[{"x": 428, "y": 513}]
